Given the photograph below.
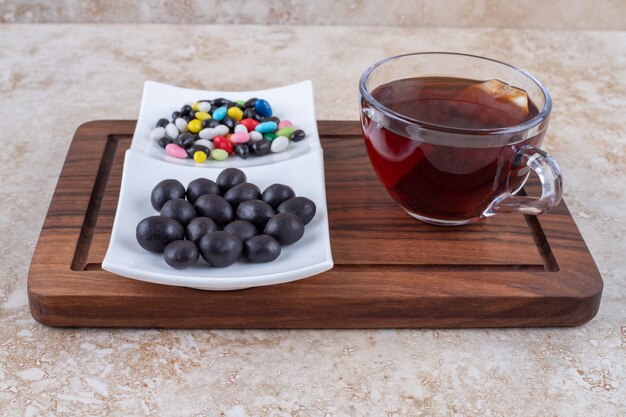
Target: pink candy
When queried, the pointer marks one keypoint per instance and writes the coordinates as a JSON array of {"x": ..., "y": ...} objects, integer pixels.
[
  {"x": 176, "y": 151},
  {"x": 241, "y": 137},
  {"x": 285, "y": 123}
]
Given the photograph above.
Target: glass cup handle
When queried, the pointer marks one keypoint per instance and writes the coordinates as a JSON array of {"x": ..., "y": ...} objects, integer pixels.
[{"x": 549, "y": 174}]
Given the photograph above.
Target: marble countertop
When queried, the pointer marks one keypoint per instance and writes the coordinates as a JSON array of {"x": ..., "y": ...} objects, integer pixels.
[{"x": 55, "y": 77}]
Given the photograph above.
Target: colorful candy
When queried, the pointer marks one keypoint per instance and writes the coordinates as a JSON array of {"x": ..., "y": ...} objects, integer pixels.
[
  {"x": 220, "y": 113},
  {"x": 216, "y": 128},
  {"x": 219, "y": 154},
  {"x": 241, "y": 129},
  {"x": 263, "y": 108},
  {"x": 204, "y": 106},
  {"x": 172, "y": 131},
  {"x": 194, "y": 126},
  {"x": 240, "y": 137},
  {"x": 176, "y": 151},
  {"x": 235, "y": 113},
  {"x": 206, "y": 143},
  {"x": 266, "y": 127},
  {"x": 279, "y": 144},
  {"x": 285, "y": 131},
  {"x": 222, "y": 142},
  {"x": 157, "y": 133},
  {"x": 207, "y": 133},
  {"x": 202, "y": 115},
  {"x": 255, "y": 136},
  {"x": 250, "y": 124},
  {"x": 221, "y": 130},
  {"x": 298, "y": 135},
  {"x": 285, "y": 123},
  {"x": 199, "y": 156},
  {"x": 181, "y": 125}
]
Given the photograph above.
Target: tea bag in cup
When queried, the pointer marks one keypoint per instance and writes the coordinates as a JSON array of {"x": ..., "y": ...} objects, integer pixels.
[{"x": 501, "y": 104}]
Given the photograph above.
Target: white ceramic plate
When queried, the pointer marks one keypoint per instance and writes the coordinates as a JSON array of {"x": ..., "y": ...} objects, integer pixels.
[
  {"x": 293, "y": 102},
  {"x": 301, "y": 166},
  {"x": 309, "y": 256}
]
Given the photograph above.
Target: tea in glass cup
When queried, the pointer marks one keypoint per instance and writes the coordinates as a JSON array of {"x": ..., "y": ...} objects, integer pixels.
[{"x": 453, "y": 137}]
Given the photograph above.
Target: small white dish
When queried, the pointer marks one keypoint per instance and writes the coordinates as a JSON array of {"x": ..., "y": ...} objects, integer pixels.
[
  {"x": 292, "y": 102},
  {"x": 309, "y": 256}
]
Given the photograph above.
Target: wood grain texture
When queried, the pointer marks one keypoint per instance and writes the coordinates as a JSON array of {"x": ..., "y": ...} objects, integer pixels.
[{"x": 390, "y": 270}]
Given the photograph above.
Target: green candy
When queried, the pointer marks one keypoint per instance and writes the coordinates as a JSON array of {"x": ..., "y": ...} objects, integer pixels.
[
  {"x": 270, "y": 136},
  {"x": 286, "y": 131},
  {"x": 240, "y": 102},
  {"x": 219, "y": 154}
]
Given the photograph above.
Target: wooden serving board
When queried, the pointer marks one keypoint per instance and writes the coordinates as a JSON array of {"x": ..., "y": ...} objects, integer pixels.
[{"x": 390, "y": 271}]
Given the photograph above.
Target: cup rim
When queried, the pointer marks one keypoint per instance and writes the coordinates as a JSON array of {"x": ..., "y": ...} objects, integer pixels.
[{"x": 535, "y": 121}]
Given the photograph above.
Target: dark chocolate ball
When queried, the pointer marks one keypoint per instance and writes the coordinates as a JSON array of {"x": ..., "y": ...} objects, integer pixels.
[
  {"x": 300, "y": 206},
  {"x": 199, "y": 227},
  {"x": 287, "y": 228},
  {"x": 221, "y": 248},
  {"x": 201, "y": 186},
  {"x": 154, "y": 233},
  {"x": 181, "y": 254},
  {"x": 165, "y": 191},
  {"x": 216, "y": 208},
  {"x": 256, "y": 212},
  {"x": 262, "y": 248},
  {"x": 230, "y": 177},
  {"x": 180, "y": 210}
]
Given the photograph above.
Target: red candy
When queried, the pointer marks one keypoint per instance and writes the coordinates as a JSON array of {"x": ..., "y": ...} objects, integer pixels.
[
  {"x": 250, "y": 124},
  {"x": 222, "y": 142}
]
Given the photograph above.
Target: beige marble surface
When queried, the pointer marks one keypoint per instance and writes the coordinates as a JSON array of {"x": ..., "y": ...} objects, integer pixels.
[
  {"x": 521, "y": 14},
  {"x": 54, "y": 77}
]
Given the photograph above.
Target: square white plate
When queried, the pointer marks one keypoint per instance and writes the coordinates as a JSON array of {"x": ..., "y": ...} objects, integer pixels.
[
  {"x": 292, "y": 102},
  {"x": 309, "y": 256}
]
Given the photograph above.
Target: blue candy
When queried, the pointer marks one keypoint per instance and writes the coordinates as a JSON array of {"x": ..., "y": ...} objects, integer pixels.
[
  {"x": 266, "y": 127},
  {"x": 219, "y": 113},
  {"x": 263, "y": 108}
]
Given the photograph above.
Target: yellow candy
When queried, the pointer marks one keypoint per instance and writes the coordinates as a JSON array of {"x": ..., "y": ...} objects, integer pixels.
[
  {"x": 195, "y": 105},
  {"x": 199, "y": 156},
  {"x": 194, "y": 126},
  {"x": 202, "y": 115},
  {"x": 235, "y": 113}
]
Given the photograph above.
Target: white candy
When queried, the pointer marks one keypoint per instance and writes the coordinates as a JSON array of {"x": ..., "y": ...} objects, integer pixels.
[
  {"x": 222, "y": 130},
  {"x": 208, "y": 133},
  {"x": 256, "y": 136},
  {"x": 279, "y": 144},
  {"x": 241, "y": 129},
  {"x": 205, "y": 142},
  {"x": 157, "y": 133},
  {"x": 171, "y": 131},
  {"x": 204, "y": 106},
  {"x": 181, "y": 125}
]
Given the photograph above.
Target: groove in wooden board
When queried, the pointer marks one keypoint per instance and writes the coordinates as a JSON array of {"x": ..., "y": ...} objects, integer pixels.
[
  {"x": 543, "y": 246},
  {"x": 104, "y": 225},
  {"x": 91, "y": 216}
]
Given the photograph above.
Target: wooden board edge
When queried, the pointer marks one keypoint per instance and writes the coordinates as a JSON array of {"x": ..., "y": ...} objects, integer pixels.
[{"x": 429, "y": 312}]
